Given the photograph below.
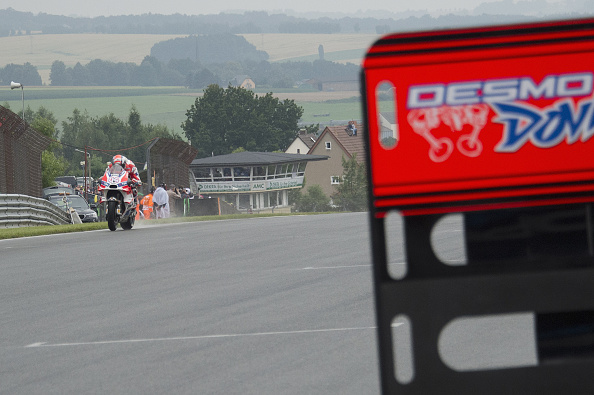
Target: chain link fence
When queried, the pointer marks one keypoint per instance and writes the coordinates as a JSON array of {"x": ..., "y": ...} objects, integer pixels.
[
  {"x": 20, "y": 155},
  {"x": 169, "y": 162}
]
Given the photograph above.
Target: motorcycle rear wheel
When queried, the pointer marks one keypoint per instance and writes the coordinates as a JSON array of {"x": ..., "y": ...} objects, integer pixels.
[{"x": 110, "y": 216}]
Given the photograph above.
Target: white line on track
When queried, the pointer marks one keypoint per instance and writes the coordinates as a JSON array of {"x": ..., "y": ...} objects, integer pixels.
[
  {"x": 332, "y": 267},
  {"x": 45, "y": 344}
]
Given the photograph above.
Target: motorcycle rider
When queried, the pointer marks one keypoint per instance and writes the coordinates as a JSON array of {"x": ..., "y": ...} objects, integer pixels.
[{"x": 130, "y": 168}]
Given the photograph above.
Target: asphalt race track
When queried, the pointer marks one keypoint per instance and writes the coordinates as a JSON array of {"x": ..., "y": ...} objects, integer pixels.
[{"x": 280, "y": 305}]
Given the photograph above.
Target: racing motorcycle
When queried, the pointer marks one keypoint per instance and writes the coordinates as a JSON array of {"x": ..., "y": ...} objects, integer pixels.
[{"x": 117, "y": 194}]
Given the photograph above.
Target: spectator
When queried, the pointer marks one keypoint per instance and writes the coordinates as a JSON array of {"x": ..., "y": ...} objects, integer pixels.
[
  {"x": 147, "y": 204},
  {"x": 186, "y": 195},
  {"x": 161, "y": 202},
  {"x": 174, "y": 196}
]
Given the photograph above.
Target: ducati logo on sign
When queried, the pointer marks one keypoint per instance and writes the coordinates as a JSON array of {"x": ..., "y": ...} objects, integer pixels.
[{"x": 468, "y": 105}]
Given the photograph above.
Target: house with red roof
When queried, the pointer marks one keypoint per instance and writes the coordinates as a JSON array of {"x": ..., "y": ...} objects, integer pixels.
[{"x": 336, "y": 142}]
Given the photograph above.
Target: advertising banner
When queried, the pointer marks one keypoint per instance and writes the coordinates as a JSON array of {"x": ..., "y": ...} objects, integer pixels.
[
  {"x": 250, "y": 186},
  {"x": 486, "y": 117}
]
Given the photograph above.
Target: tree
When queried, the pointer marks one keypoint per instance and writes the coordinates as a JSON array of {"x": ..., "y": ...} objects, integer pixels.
[
  {"x": 201, "y": 79},
  {"x": 59, "y": 75},
  {"x": 312, "y": 129},
  {"x": 26, "y": 74},
  {"x": 351, "y": 193},
  {"x": 52, "y": 165},
  {"x": 225, "y": 119},
  {"x": 149, "y": 72},
  {"x": 104, "y": 136},
  {"x": 313, "y": 200},
  {"x": 80, "y": 75}
]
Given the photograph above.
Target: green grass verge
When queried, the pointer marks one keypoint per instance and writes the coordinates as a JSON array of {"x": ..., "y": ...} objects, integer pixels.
[{"x": 14, "y": 233}]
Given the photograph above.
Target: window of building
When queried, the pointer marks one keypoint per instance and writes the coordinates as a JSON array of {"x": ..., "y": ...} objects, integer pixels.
[
  {"x": 217, "y": 174},
  {"x": 301, "y": 169},
  {"x": 271, "y": 172},
  {"x": 241, "y": 173},
  {"x": 279, "y": 172},
  {"x": 328, "y": 145},
  {"x": 259, "y": 173},
  {"x": 334, "y": 180},
  {"x": 203, "y": 174}
]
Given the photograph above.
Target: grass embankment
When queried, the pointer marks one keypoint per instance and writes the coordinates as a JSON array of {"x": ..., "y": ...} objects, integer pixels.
[{"x": 13, "y": 233}]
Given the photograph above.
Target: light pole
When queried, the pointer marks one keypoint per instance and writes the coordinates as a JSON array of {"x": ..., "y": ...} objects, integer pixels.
[
  {"x": 87, "y": 169},
  {"x": 15, "y": 85}
]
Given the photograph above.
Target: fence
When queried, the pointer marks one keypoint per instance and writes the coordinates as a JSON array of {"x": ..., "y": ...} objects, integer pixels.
[
  {"x": 20, "y": 155},
  {"x": 169, "y": 162},
  {"x": 22, "y": 210}
]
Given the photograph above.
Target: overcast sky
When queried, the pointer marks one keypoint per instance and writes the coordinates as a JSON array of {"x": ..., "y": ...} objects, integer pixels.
[{"x": 193, "y": 7}]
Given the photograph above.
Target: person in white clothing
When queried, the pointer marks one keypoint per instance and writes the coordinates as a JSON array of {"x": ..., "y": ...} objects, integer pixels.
[{"x": 161, "y": 202}]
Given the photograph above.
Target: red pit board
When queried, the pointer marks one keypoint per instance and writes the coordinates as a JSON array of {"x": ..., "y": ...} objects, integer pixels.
[{"x": 490, "y": 117}]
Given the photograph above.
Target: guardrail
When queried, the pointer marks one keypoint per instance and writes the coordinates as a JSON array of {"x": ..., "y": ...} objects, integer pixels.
[{"x": 22, "y": 210}]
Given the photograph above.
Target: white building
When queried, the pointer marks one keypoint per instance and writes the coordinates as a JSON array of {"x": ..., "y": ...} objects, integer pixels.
[{"x": 252, "y": 181}]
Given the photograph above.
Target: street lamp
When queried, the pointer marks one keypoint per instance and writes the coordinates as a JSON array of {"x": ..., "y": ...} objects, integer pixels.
[
  {"x": 87, "y": 170},
  {"x": 15, "y": 85}
]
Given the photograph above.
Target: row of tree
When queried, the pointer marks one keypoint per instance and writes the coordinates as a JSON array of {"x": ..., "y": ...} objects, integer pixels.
[
  {"x": 192, "y": 74},
  {"x": 256, "y": 22},
  {"x": 102, "y": 136},
  {"x": 26, "y": 74}
]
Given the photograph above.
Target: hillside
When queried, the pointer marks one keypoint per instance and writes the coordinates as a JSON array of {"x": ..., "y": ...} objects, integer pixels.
[{"x": 41, "y": 50}]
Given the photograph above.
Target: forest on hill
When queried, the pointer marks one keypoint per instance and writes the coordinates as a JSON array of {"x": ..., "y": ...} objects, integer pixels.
[{"x": 16, "y": 22}]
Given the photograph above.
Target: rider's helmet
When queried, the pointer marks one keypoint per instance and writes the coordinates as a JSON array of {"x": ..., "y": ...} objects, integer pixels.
[{"x": 117, "y": 160}]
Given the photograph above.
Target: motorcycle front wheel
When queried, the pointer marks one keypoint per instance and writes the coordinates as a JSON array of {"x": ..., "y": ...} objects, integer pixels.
[
  {"x": 129, "y": 223},
  {"x": 110, "y": 216}
]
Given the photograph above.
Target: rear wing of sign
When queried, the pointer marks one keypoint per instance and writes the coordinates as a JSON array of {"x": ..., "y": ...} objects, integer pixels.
[
  {"x": 496, "y": 123},
  {"x": 484, "y": 118}
]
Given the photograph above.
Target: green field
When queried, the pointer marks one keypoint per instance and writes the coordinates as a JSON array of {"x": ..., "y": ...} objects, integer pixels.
[
  {"x": 325, "y": 112},
  {"x": 162, "y": 105}
]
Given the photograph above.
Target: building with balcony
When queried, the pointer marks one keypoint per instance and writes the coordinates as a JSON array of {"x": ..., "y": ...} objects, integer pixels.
[{"x": 252, "y": 181}]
